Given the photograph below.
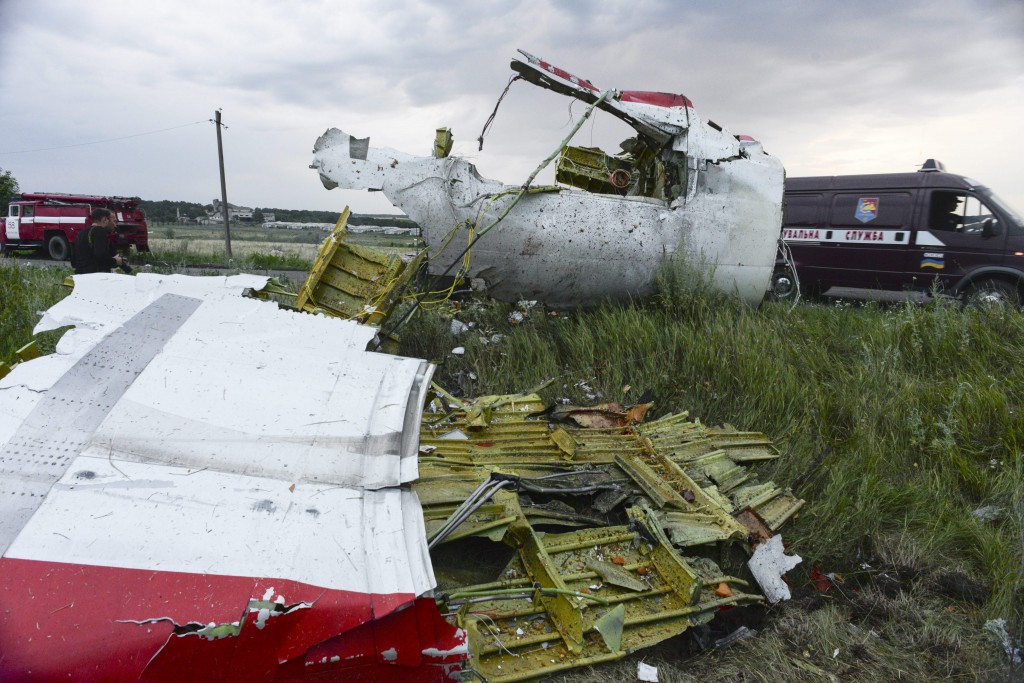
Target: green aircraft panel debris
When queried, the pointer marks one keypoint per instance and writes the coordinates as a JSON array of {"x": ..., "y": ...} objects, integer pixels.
[
  {"x": 25, "y": 353},
  {"x": 354, "y": 282},
  {"x": 648, "y": 503}
]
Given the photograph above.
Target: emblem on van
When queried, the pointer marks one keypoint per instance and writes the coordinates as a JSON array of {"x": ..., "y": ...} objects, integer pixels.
[{"x": 867, "y": 209}]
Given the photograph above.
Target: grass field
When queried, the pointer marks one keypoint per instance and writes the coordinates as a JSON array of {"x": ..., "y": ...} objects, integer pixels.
[
  {"x": 251, "y": 247},
  {"x": 901, "y": 426}
]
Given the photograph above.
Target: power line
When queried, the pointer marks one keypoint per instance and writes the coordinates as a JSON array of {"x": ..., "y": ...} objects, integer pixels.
[{"x": 100, "y": 142}]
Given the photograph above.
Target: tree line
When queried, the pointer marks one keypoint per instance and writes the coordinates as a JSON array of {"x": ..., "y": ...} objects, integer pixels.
[{"x": 167, "y": 211}]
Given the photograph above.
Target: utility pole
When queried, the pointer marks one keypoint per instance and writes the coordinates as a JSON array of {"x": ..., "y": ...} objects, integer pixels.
[{"x": 223, "y": 188}]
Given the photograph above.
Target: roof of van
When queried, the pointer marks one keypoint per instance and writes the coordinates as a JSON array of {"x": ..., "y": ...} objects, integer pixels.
[{"x": 879, "y": 181}]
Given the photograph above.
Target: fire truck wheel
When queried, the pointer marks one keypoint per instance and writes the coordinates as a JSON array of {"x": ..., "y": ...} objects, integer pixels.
[
  {"x": 993, "y": 293},
  {"x": 58, "y": 247}
]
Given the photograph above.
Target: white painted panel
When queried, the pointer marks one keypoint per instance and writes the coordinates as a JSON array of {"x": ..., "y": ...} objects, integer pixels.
[
  {"x": 246, "y": 444},
  {"x": 132, "y": 515},
  {"x": 245, "y": 387}
]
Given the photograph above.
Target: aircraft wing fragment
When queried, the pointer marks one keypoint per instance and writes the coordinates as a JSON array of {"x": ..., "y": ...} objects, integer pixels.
[{"x": 200, "y": 482}]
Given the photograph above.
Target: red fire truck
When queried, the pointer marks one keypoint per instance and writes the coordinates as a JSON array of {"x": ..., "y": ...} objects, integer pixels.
[{"x": 50, "y": 220}]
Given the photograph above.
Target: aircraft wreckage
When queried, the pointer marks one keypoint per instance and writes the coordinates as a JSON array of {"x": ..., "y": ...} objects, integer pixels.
[
  {"x": 201, "y": 485},
  {"x": 683, "y": 188}
]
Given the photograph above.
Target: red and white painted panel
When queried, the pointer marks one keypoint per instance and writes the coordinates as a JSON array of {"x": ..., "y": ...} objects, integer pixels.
[{"x": 201, "y": 486}]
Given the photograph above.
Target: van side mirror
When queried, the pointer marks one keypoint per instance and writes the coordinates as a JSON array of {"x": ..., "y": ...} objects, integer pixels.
[{"x": 988, "y": 228}]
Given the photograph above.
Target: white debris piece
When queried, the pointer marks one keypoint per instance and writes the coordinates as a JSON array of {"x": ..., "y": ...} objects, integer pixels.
[
  {"x": 646, "y": 672},
  {"x": 768, "y": 564},
  {"x": 1011, "y": 647}
]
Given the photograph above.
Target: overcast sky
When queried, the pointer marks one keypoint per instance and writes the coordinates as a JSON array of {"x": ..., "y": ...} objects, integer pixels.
[{"x": 116, "y": 96}]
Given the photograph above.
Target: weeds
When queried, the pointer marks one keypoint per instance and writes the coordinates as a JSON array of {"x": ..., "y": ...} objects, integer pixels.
[
  {"x": 25, "y": 292},
  {"x": 899, "y": 424},
  {"x": 901, "y": 427}
]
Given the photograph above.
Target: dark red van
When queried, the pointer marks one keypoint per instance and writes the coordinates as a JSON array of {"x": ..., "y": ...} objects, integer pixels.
[{"x": 929, "y": 230}]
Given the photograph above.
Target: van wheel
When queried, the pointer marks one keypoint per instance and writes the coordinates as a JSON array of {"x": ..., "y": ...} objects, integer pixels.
[
  {"x": 993, "y": 293},
  {"x": 58, "y": 247},
  {"x": 783, "y": 283}
]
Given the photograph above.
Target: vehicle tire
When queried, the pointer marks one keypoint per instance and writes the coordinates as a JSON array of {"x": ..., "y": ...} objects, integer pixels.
[
  {"x": 58, "y": 248},
  {"x": 783, "y": 285},
  {"x": 993, "y": 293}
]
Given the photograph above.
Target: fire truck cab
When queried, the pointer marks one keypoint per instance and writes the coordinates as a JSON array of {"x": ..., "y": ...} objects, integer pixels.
[{"x": 52, "y": 221}]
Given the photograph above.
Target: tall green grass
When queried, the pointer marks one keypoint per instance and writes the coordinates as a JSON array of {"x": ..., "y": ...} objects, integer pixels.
[
  {"x": 26, "y": 291},
  {"x": 898, "y": 423}
]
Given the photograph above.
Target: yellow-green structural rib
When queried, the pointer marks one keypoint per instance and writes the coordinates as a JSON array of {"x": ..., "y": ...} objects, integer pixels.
[
  {"x": 352, "y": 281},
  {"x": 677, "y": 491}
]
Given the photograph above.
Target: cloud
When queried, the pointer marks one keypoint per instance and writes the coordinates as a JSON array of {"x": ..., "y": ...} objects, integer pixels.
[{"x": 866, "y": 86}]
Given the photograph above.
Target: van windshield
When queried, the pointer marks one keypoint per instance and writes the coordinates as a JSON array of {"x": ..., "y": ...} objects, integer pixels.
[{"x": 1018, "y": 227}]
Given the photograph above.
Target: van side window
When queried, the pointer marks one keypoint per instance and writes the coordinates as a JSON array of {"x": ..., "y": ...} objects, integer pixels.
[
  {"x": 871, "y": 209},
  {"x": 958, "y": 212},
  {"x": 801, "y": 210}
]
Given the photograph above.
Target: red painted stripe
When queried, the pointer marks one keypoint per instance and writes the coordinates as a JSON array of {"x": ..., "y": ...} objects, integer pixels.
[
  {"x": 562, "y": 73},
  {"x": 658, "y": 99},
  {"x": 76, "y": 622}
]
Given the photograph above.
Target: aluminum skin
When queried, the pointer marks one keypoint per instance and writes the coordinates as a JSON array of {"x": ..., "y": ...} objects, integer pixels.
[{"x": 719, "y": 212}]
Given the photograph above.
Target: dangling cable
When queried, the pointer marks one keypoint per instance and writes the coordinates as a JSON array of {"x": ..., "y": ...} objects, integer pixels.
[{"x": 490, "y": 119}]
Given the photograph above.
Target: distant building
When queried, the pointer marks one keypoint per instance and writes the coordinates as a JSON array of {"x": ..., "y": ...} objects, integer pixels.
[
  {"x": 290, "y": 225},
  {"x": 235, "y": 213}
]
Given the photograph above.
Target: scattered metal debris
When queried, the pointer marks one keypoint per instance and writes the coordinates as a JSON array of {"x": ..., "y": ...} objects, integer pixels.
[
  {"x": 652, "y": 510},
  {"x": 289, "y": 502}
]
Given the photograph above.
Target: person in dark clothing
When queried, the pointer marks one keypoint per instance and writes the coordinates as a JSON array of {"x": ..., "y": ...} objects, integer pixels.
[
  {"x": 945, "y": 212},
  {"x": 92, "y": 246}
]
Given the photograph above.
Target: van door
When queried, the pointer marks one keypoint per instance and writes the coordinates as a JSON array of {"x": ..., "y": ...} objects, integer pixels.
[
  {"x": 867, "y": 236},
  {"x": 952, "y": 239},
  {"x": 11, "y": 225},
  {"x": 802, "y": 231}
]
